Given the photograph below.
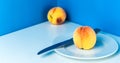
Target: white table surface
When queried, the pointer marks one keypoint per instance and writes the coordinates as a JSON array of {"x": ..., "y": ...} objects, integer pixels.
[{"x": 22, "y": 46}]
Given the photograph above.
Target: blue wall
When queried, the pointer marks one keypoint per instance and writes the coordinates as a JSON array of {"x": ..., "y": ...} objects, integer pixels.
[
  {"x": 103, "y": 14},
  {"x": 18, "y": 14}
]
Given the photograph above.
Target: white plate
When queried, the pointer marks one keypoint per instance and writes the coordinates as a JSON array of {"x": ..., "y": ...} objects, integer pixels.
[{"x": 105, "y": 46}]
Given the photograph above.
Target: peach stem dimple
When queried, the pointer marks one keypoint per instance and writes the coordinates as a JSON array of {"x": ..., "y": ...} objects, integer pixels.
[{"x": 59, "y": 20}]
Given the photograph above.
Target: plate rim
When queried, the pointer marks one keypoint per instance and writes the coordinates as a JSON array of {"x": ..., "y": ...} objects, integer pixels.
[{"x": 75, "y": 57}]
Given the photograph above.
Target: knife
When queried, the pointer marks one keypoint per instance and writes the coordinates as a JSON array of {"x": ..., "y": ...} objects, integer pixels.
[{"x": 66, "y": 42}]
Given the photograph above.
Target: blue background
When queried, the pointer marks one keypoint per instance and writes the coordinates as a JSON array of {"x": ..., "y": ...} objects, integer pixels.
[
  {"x": 103, "y": 14},
  {"x": 19, "y": 14}
]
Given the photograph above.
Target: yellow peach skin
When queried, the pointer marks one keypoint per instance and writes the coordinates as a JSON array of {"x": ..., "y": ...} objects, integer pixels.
[
  {"x": 56, "y": 15},
  {"x": 84, "y": 37}
]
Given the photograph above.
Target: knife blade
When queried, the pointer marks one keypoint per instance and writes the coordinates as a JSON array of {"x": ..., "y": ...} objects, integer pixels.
[{"x": 66, "y": 42}]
